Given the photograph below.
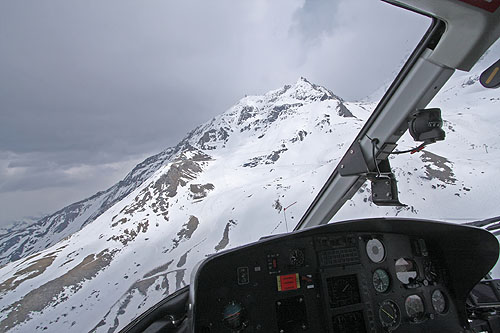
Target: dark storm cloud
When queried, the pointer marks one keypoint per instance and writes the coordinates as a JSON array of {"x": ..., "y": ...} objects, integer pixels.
[
  {"x": 88, "y": 88},
  {"x": 84, "y": 75},
  {"x": 90, "y": 74},
  {"x": 35, "y": 171},
  {"x": 38, "y": 178}
]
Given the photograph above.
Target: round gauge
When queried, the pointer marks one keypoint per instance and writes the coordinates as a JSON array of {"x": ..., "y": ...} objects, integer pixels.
[
  {"x": 375, "y": 250},
  {"x": 232, "y": 316},
  {"x": 414, "y": 306},
  {"x": 296, "y": 257},
  {"x": 389, "y": 315},
  {"x": 380, "y": 280},
  {"x": 438, "y": 301},
  {"x": 406, "y": 270}
]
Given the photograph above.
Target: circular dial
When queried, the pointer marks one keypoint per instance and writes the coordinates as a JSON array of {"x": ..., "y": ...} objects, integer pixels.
[
  {"x": 414, "y": 306},
  {"x": 389, "y": 315},
  {"x": 297, "y": 257},
  {"x": 438, "y": 301},
  {"x": 380, "y": 280},
  {"x": 375, "y": 250},
  {"x": 232, "y": 316},
  {"x": 406, "y": 270}
]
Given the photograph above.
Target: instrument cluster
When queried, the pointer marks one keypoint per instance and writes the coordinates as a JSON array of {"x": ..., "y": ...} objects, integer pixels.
[
  {"x": 381, "y": 280},
  {"x": 330, "y": 280}
]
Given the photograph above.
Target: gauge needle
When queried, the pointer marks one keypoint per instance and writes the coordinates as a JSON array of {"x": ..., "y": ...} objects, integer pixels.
[{"x": 387, "y": 313}]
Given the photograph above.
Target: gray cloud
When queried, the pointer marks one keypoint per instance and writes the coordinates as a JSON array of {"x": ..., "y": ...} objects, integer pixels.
[
  {"x": 92, "y": 74},
  {"x": 365, "y": 47},
  {"x": 314, "y": 19},
  {"x": 37, "y": 184},
  {"x": 35, "y": 171},
  {"x": 89, "y": 86}
]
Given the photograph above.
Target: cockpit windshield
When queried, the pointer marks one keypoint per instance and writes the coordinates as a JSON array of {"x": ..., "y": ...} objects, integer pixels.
[
  {"x": 438, "y": 182},
  {"x": 314, "y": 73}
]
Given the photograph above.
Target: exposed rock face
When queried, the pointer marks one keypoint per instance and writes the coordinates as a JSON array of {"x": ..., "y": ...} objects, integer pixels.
[
  {"x": 187, "y": 230},
  {"x": 55, "y": 291},
  {"x": 223, "y": 243},
  {"x": 266, "y": 159},
  {"x": 200, "y": 191},
  {"x": 438, "y": 167}
]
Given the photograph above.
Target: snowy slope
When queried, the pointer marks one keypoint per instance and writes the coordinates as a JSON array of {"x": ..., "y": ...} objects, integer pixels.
[
  {"x": 227, "y": 183},
  {"x": 25, "y": 239}
]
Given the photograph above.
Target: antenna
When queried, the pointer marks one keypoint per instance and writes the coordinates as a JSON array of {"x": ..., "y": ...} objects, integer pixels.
[{"x": 284, "y": 214}]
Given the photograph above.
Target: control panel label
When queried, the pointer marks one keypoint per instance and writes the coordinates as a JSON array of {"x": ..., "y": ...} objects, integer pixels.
[{"x": 288, "y": 282}]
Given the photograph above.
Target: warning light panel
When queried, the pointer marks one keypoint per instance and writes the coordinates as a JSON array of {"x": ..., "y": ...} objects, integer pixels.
[
  {"x": 272, "y": 263},
  {"x": 288, "y": 282}
]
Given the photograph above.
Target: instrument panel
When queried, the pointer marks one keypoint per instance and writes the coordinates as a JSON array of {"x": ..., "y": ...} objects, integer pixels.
[{"x": 329, "y": 280}]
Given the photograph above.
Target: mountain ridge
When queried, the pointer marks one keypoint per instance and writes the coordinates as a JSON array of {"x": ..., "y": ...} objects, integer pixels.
[{"x": 24, "y": 241}]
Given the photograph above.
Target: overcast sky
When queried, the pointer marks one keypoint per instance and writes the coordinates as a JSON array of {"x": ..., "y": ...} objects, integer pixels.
[{"x": 90, "y": 88}]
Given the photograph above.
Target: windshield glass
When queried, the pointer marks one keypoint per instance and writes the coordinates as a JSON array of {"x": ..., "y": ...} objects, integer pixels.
[
  {"x": 447, "y": 178},
  {"x": 299, "y": 79},
  {"x": 451, "y": 180}
]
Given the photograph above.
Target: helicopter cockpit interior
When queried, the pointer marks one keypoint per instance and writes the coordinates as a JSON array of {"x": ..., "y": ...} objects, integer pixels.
[{"x": 358, "y": 276}]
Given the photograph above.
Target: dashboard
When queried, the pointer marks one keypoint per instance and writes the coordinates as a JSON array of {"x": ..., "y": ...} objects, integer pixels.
[{"x": 376, "y": 275}]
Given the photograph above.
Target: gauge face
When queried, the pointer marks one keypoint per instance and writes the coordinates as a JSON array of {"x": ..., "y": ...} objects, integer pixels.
[
  {"x": 414, "y": 306},
  {"x": 375, "y": 250},
  {"x": 297, "y": 257},
  {"x": 406, "y": 270},
  {"x": 389, "y": 315},
  {"x": 438, "y": 301},
  {"x": 232, "y": 316},
  {"x": 381, "y": 281},
  {"x": 343, "y": 291}
]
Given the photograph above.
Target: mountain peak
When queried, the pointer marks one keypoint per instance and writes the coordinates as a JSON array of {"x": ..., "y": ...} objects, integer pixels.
[
  {"x": 302, "y": 90},
  {"x": 303, "y": 80},
  {"x": 307, "y": 91}
]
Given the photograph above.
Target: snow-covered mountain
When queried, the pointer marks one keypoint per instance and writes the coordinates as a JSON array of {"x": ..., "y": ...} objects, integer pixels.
[
  {"x": 22, "y": 242},
  {"x": 228, "y": 183},
  {"x": 20, "y": 224}
]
